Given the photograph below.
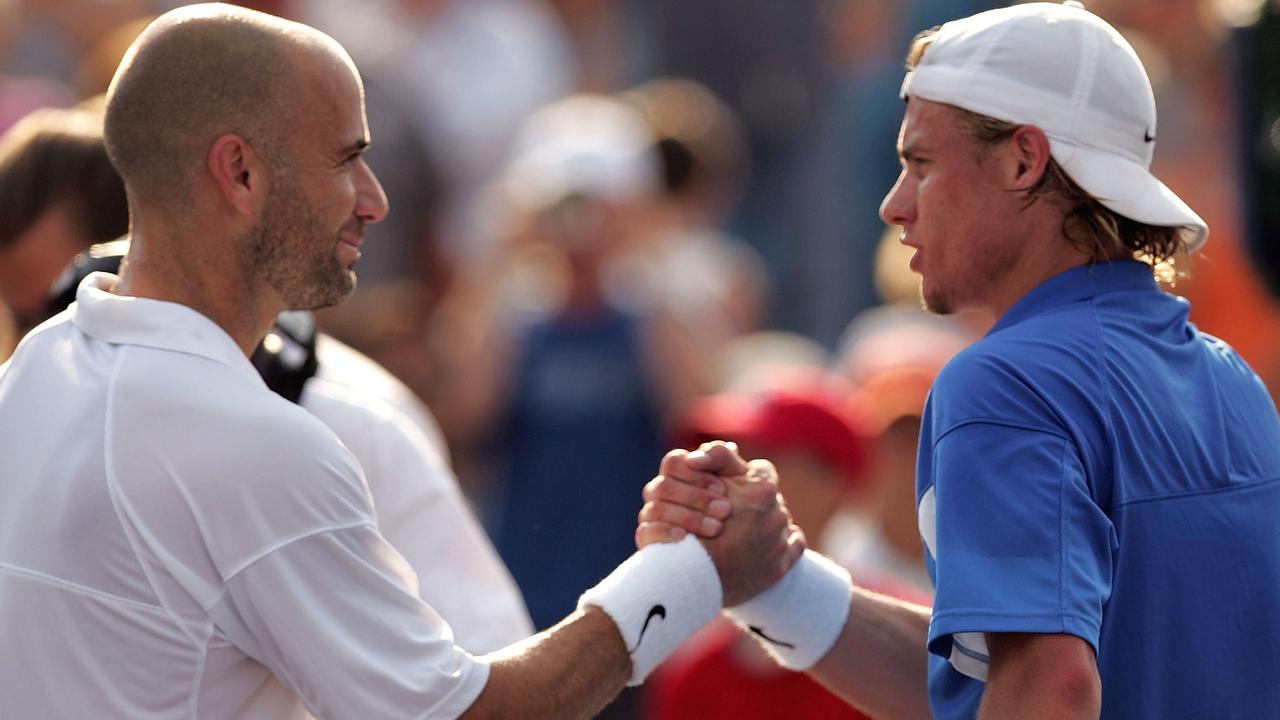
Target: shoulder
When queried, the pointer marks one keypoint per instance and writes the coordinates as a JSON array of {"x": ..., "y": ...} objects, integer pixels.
[
  {"x": 347, "y": 376},
  {"x": 169, "y": 392},
  {"x": 218, "y": 428},
  {"x": 197, "y": 446},
  {"x": 1031, "y": 375},
  {"x": 388, "y": 443}
]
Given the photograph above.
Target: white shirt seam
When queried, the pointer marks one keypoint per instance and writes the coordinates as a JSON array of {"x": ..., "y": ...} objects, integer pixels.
[
  {"x": 280, "y": 544},
  {"x": 79, "y": 589},
  {"x": 198, "y": 674},
  {"x": 121, "y": 506}
]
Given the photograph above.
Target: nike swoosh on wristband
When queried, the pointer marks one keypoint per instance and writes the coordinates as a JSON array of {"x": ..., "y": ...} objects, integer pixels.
[
  {"x": 657, "y": 611},
  {"x": 779, "y": 643}
]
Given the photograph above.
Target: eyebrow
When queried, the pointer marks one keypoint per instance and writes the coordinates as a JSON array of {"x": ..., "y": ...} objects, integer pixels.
[
  {"x": 910, "y": 152},
  {"x": 356, "y": 147}
]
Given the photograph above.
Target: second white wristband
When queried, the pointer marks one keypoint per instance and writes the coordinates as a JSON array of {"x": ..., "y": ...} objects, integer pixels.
[{"x": 799, "y": 619}]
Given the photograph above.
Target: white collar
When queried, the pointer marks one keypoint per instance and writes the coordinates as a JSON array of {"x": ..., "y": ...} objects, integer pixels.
[{"x": 123, "y": 320}]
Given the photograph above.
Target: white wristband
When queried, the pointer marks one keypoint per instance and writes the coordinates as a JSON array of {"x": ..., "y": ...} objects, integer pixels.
[
  {"x": 798, "y": 619},
  {"x": 658, "y": 598}
]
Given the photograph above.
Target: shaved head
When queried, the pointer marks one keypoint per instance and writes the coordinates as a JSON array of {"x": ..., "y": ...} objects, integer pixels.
[{"x": 195, "y": 74}]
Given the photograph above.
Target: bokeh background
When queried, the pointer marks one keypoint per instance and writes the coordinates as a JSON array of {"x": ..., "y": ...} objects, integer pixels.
[{"x": 604, "y": 211}]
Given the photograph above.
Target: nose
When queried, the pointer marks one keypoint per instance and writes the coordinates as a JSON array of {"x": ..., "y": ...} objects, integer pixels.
[
  {"x": 897, "y": 208},
  {"x": 371, "y": 201}
]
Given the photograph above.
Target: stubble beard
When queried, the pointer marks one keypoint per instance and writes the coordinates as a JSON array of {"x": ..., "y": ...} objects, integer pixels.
[
  {"x": 969, "y": 287},
  {"x": 287, "y": 252}
]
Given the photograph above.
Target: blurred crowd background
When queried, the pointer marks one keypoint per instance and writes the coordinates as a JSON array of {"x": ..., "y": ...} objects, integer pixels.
[{"x": 621, "y": 225}]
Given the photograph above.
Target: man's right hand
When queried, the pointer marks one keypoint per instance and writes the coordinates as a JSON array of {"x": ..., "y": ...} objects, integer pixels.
[{"x": 734, "y": 506}]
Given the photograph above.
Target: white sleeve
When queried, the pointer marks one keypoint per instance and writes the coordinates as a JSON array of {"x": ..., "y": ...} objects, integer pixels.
[
  {"x": 332, "y": 615},
  {"x": 423, "y": 515}
]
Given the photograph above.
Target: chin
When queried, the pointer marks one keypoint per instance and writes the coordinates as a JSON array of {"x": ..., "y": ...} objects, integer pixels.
[{"x": 934, "y": 302}]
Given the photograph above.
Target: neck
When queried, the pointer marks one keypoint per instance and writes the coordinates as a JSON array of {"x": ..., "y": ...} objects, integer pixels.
[
  {"x": 164, "y": 265},
  {"x": 1047, "y": 252}
]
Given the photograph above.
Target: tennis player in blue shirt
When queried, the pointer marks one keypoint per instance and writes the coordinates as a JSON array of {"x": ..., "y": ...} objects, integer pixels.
[{"x": 1098, "y": 481}]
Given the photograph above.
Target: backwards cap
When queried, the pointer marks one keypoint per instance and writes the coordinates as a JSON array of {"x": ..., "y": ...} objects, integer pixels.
[{"x": 1066, "y": 71}]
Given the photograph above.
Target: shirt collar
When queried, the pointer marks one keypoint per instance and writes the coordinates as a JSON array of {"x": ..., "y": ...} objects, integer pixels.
[
  {"x": 123, "y": 320},
  {"x": 1080, "y": 283}
]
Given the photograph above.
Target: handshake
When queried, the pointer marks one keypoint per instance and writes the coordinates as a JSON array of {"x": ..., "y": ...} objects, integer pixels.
[
  {"x": 715, "y": 532},
  {"x": 735, "y": 508}
]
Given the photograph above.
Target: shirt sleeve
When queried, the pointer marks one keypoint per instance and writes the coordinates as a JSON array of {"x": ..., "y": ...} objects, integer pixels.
[
  {"x": 421, "y": 512},
  {"x": 333, "y": 616},
  {"x": 1020, "y": 544}
]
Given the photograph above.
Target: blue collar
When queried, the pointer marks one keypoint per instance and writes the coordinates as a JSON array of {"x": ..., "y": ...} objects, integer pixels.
[{"x": 1080, "y": 283}]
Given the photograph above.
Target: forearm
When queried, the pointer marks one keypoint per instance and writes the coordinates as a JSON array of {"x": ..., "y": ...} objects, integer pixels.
[
  {"x": 571, "y": 671},
  {"x": 879, "y": 662}
]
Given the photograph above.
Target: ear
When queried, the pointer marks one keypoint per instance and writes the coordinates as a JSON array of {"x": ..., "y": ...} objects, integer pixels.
[
  {"x": 1030, "y": 148},
  {"x": 238, "y": 173}
]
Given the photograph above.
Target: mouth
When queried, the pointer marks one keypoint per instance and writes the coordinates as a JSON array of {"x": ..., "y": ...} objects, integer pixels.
[
  {"x": 348, "y": 248},
  {"x": 915, "y": 257}
]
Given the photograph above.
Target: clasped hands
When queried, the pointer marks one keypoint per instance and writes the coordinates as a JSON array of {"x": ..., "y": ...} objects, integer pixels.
[{"x": 733, "y": 506}]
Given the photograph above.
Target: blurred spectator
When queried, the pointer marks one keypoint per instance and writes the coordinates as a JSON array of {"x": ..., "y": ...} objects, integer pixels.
[
  {"x": 98, "y": 64},
  {"x": 22, "y": 91},
  {"x": 714, "y": 282},
  {"x": 764, "y": 360},
  {"x": 891, "y": 355},
  {"x": 768, "y": 62},
  {"x": 8, "y": 333},
  {"x": 823, "y": 456},
  {"x": 58, "y": 195},
  {"x": 865, "y": 48},
  {"x": 541, "y": 359},
  {"x": 467, "y": 73},
  {"x": 1255, "y": 44},
  {"x": 54, "y": 35},
  {"x": 595, "y": 30},
  {"x": 21, "y": 95}
]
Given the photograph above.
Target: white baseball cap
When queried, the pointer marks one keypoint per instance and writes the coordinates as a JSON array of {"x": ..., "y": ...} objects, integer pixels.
[
  {"x": 1066, "y": 71},
  {"x": 590, "y": 145}
]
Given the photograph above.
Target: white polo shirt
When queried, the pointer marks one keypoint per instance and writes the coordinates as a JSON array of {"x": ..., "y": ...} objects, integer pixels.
[
  {"x": 176, "y": 541},
  {"x": 420, "y": 509}
]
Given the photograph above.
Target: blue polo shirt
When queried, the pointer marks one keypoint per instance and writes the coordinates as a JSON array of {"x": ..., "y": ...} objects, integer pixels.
[{"x": 1096, "y": 466}]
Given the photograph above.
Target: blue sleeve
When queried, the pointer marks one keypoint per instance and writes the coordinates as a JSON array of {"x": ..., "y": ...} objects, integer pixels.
[{"x": 1020, "y": 544}]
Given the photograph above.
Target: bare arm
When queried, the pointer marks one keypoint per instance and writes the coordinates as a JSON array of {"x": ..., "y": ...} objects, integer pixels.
[
  {"x": 571, "y": 671},
  {"x": 879, "y": 663},
  {"x": 1054, "y": 677}
]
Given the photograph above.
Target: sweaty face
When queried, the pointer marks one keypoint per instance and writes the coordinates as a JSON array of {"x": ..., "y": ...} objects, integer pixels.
[{"x": 955, "y": 210}]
